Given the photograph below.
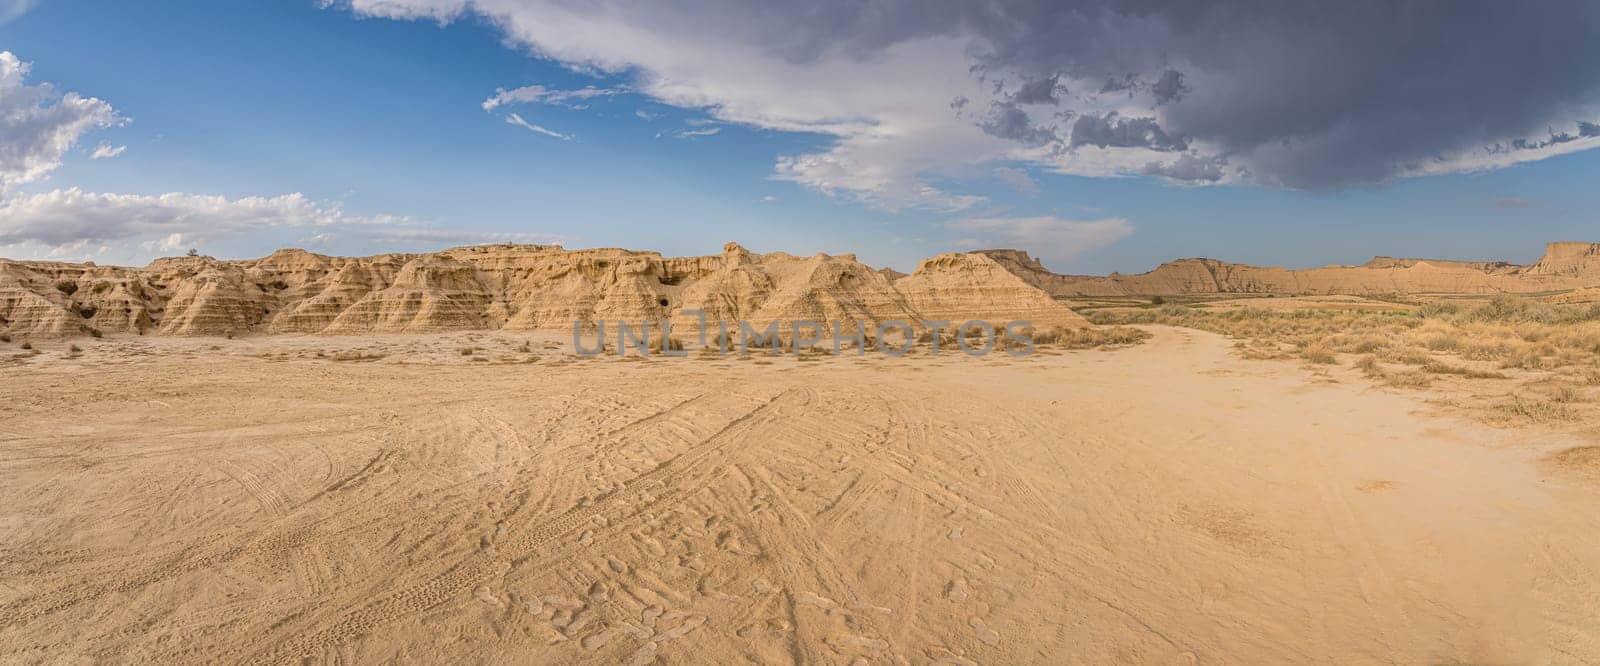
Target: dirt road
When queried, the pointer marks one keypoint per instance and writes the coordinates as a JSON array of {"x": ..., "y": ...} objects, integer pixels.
[{"x": 1166, "y": 503}]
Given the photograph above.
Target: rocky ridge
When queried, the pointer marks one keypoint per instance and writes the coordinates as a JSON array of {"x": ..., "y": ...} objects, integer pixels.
[
  {"x": 1564, "y": 266},
  {"x": 495, "y": 287}
]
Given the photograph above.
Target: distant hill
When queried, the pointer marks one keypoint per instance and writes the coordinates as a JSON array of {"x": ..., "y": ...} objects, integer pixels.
[{"x": 1563, "y": 266}]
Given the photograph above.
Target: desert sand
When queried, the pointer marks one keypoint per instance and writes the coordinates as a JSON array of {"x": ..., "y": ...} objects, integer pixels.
[
  {"x": 400, "y": 458},
  {"x": 357, "y": 499}
]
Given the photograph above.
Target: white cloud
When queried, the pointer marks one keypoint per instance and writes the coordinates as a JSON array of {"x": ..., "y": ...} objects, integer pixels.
[
  {"x": 888, "y": 112},
  {"x": 537, "y": 94},
  {"x": 689, "y": 134},
  {"x": 106, "y": 151},
  {"x": 516, "y": 119},
  {"x": 38, "y": 126},
  {"x": 63, "y": 218},
  {"x": 1048, "y": 237}
]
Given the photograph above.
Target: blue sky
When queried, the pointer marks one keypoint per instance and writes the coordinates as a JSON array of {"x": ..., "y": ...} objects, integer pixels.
[{"x": 377, "y": 119}]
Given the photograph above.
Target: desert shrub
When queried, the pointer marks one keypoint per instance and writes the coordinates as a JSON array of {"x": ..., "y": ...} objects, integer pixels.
[
  {"x": 1407, "y": 356},
  {"x": 353, "y": 355},
  {"x": 1438, "y": 310},
  {"x": 73, "y": 349},
  {"x": 1504, "y": 308},
  {"x": 1536, "y": 410},
  {"x": 465, "y": 351},
  {"x": 67, "y": 287},
  {"x": 668, "y": 344},
  {"x": 1409, "y": 380},
  {"x": 5, "y": 337},
  {"x": 95, "y": 333},
  {"x": 1441, "y": 368},
  {"x": 1567, "y": 394},
  {"x": 1368, "y": 365},
  {"x": 1157, "y": 300},
  {"x": 27, "y": 345},
  {"x": 1091, "y": 338},
  {"x": 1442, "y": 342},
  {"x": 1317, "y": 352}
]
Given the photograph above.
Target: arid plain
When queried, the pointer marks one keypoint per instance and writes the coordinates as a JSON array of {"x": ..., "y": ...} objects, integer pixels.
[{"x": 305, "y": 458}]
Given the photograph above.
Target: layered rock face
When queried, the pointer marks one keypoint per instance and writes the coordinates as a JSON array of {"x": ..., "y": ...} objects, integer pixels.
[
  {"x": 511, "y": 287},
  {"x": 1564, "y": 266},
  {"x": 960, "y": 286}
]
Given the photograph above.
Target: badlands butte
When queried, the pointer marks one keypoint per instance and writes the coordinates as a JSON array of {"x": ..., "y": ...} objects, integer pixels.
[{"x": 536, "y": 287}]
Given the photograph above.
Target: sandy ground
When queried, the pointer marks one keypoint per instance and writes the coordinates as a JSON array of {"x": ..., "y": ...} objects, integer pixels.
[{"x": 189, "y": 501}]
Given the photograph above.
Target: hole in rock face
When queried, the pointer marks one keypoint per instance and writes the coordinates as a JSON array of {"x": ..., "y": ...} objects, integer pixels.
[{"x": 663, "y": 302}]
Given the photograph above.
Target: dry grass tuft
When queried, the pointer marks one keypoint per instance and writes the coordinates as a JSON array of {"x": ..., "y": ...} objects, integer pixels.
[
  {"x": 1536, "y": 410},
  {"x": 1318, "y": 352}
]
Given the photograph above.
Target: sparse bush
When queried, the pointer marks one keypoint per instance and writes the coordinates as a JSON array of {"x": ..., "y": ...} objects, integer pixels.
[
  {"x": 465, "y": 351},
  {"x": 1317, "y": 352},
  {"x": 1438, "y": 309},
  {"x": 1567, "y": 394},
  {"x": 1536, "y": 410},
  {"x": 95, "y": 333},
  {"x": 1441, "y": 368},
  {"x": 665, "y": 344},
  {"x": 1368, "y": 365},
  {"x": 355, "y": 356},
  {"x": 5, "y": 337},
  {"x": 1442, "y": 342},
  {"x": 1157, "y": 300},
  {"x": 1505, "y": 308},
  {"x": 27, "y": 345},
  {"x": 1090, "y": 338},
  {"x": 73, "y": 349},
  {"x": 1409, "y": 380}
]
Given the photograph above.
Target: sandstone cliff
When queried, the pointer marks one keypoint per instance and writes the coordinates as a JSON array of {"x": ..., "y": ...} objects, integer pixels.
[{"x": 512, "y": 287}]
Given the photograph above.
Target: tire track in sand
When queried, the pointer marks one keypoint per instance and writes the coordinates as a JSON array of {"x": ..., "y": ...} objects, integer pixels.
[{"x": 521, "y": 549}]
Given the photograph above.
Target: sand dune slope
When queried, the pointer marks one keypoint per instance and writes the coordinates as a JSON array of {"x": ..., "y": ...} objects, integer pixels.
[{"x": 1167, "y": 503}]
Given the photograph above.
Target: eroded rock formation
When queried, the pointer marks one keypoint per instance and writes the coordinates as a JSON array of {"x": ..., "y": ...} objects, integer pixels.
[{"x": 513, "y": 287}]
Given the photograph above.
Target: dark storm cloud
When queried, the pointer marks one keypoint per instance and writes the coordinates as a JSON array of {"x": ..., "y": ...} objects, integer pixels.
[
  {"x": 1007, "y": 121},
  {"x": 1294, "y": 93},
  {"x": 1307, "y": 94},
  {"x": 1039, "y": 91},
  {"x": 1316, "y": 95},
  {"x": 1189, "y": 168},
  {"x": 1169, "y": 88},
  {"x": 1111, "y": 131}
]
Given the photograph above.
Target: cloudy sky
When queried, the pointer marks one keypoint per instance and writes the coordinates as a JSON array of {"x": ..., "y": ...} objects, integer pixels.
[{"x": 1100, "y": 135}]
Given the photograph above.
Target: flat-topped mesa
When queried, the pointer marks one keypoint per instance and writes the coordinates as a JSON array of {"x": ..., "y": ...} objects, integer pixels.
[
  {"x": 1570, "y": 259},
  {"x": 1564, "y": 266}
]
